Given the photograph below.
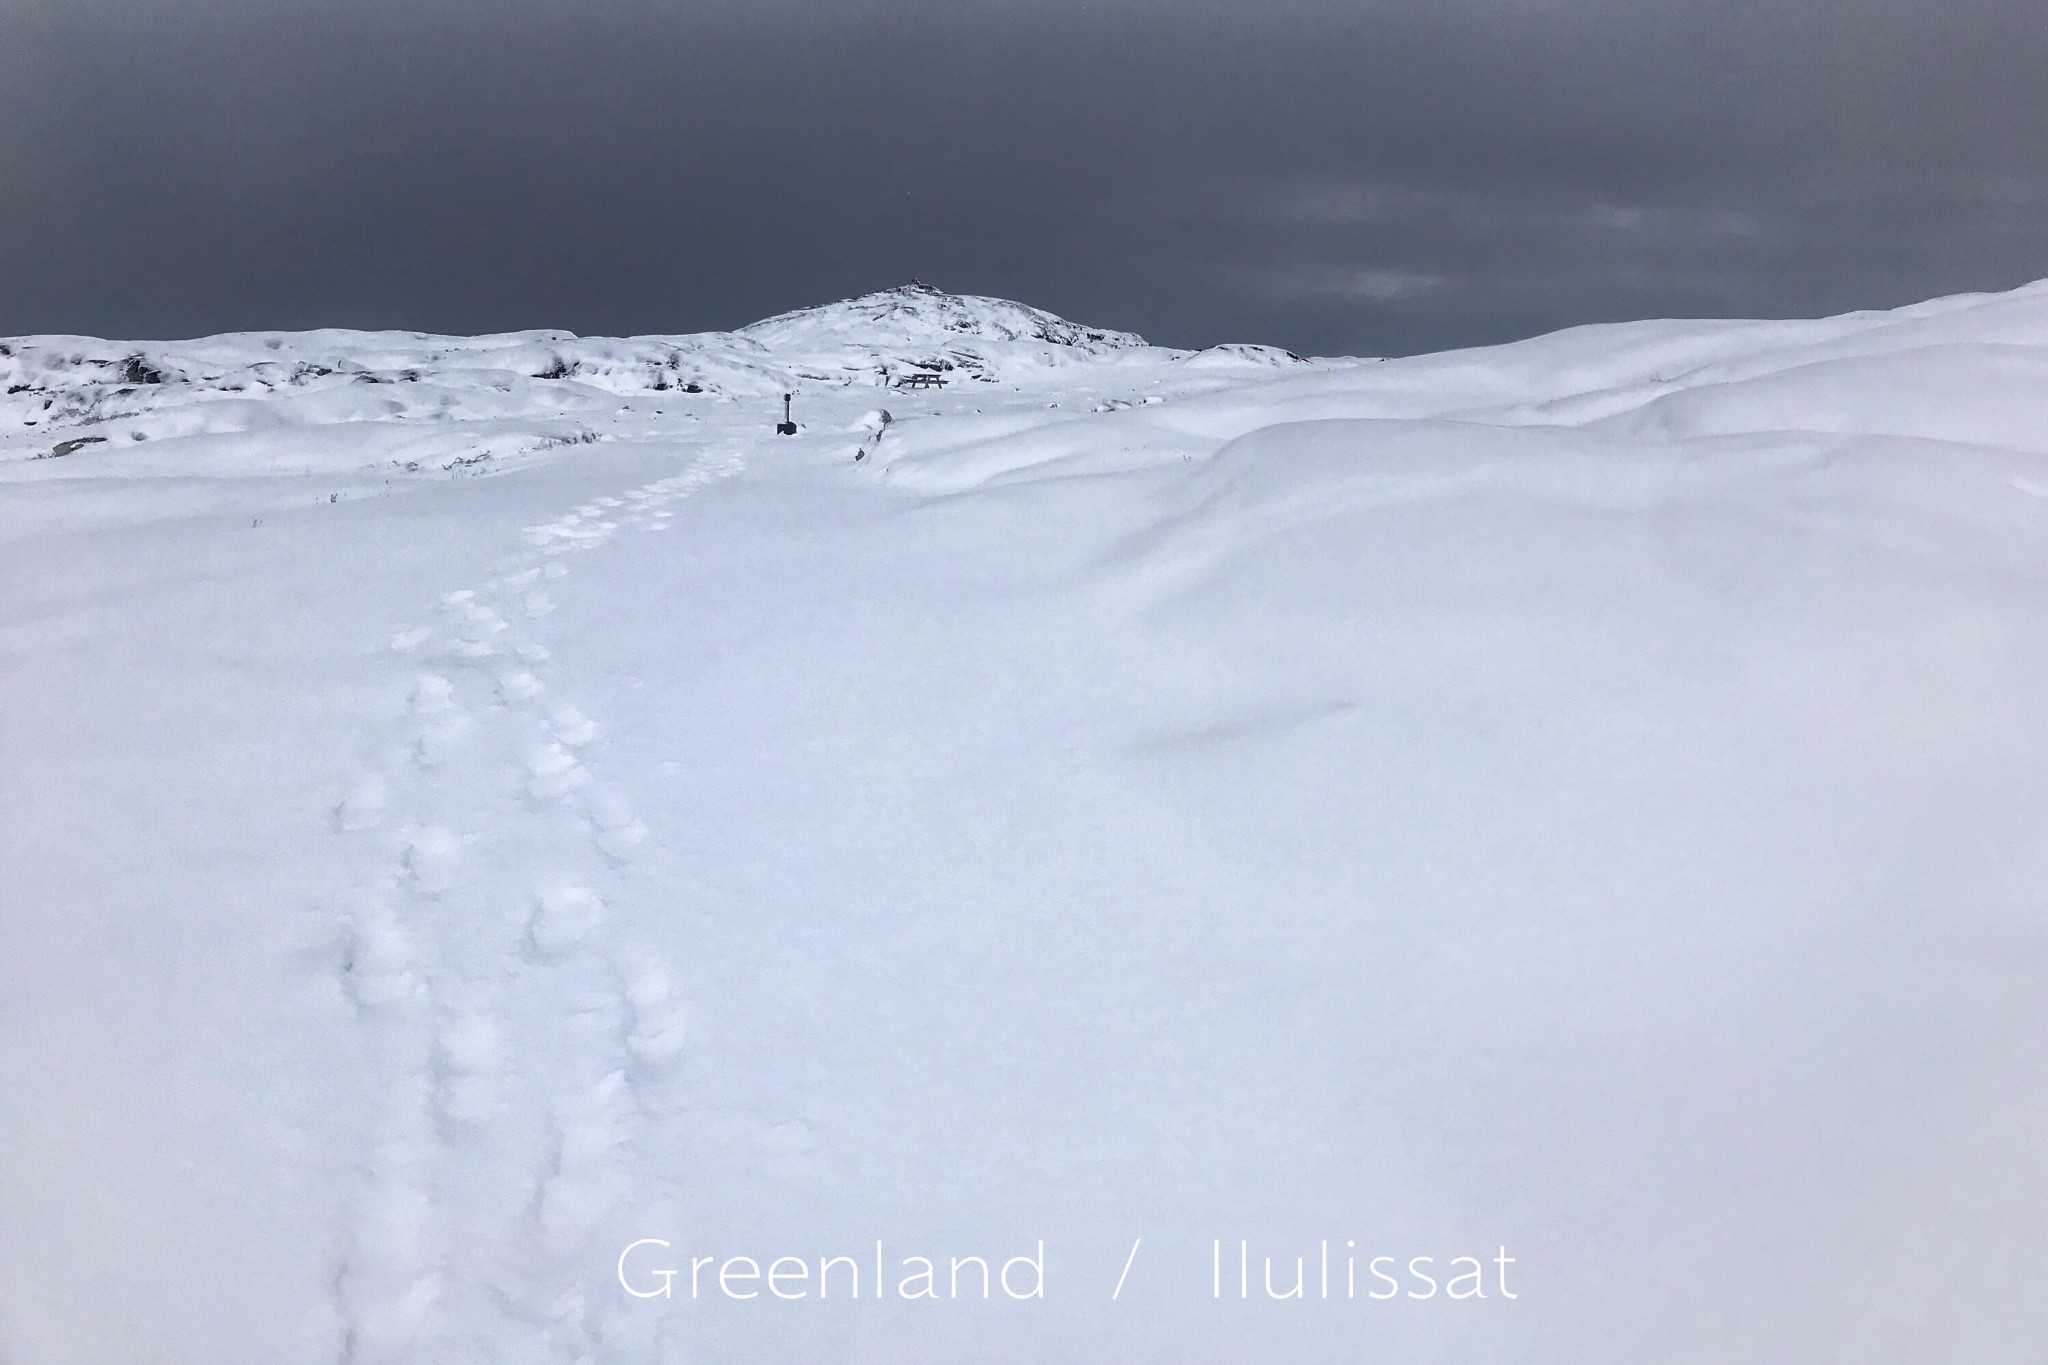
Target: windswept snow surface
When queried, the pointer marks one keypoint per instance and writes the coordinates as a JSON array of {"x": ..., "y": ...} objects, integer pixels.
[{"x": 469, "y": 804}]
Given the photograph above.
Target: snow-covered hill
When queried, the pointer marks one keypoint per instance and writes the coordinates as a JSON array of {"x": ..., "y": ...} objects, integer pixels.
[
  {"x": 1160, "y": 815},
  {"x": 445, "y": 402},
  {"x": 918, "y": 316}
]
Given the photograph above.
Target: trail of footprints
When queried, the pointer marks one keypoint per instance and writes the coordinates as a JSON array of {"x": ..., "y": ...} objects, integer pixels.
[{"x": 525, "y": 1038}]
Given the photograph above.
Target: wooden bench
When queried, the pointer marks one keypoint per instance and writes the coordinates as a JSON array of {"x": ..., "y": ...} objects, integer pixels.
[{"x": 922, "y": 379}]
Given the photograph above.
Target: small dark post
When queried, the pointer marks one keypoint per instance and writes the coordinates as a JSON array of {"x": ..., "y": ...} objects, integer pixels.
[{"x": 786, "y": 427}]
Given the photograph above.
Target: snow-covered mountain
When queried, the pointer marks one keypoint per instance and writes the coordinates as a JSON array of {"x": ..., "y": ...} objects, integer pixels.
[{"x": 1183, "y": 820}]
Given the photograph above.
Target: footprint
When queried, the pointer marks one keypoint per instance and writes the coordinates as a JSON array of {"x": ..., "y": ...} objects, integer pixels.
[
  {"x": 553, "y": 771},
  {"x": 659, "y": 1028},
  {"x": 590, "y": 1127},
  {"x": 564, "y": 918},
  {"x": 538, "y": 604},
  {"x": 469, "y": 1056},
  {"x": 481, "y": 625},
  {"x": 405, "y": 641},
  {"x": 622, "y": 843},
  {"x": 432, "y": 694},
  {"x": 377, "y": 958},
  {"x": 440, "y": 738},
  {"x": 433, "y": 698},
  {"x": 363, "y": 805},
  {"x": 614, "y": 830},
  {"x": 432, "y": 856},
  {"x": 572, "y": 727},
  {"x": 520, "y": 686}
]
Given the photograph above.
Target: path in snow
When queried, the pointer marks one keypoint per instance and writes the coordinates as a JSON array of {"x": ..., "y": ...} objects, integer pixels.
[{"x": 526, "y": 1038}]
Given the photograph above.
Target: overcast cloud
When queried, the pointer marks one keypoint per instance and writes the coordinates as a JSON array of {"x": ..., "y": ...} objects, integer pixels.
[{"x": 1357, "y": 177}]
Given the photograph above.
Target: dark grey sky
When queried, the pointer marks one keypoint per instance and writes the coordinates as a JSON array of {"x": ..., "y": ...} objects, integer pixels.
[{"x": 1333, "y": 176}]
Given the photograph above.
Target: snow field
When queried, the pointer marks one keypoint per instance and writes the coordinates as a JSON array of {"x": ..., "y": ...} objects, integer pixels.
[{"x": 1578, "y": 796}]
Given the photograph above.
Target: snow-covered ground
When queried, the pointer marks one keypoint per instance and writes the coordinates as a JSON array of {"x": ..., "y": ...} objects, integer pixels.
[{"x": 469, "y": 804}]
